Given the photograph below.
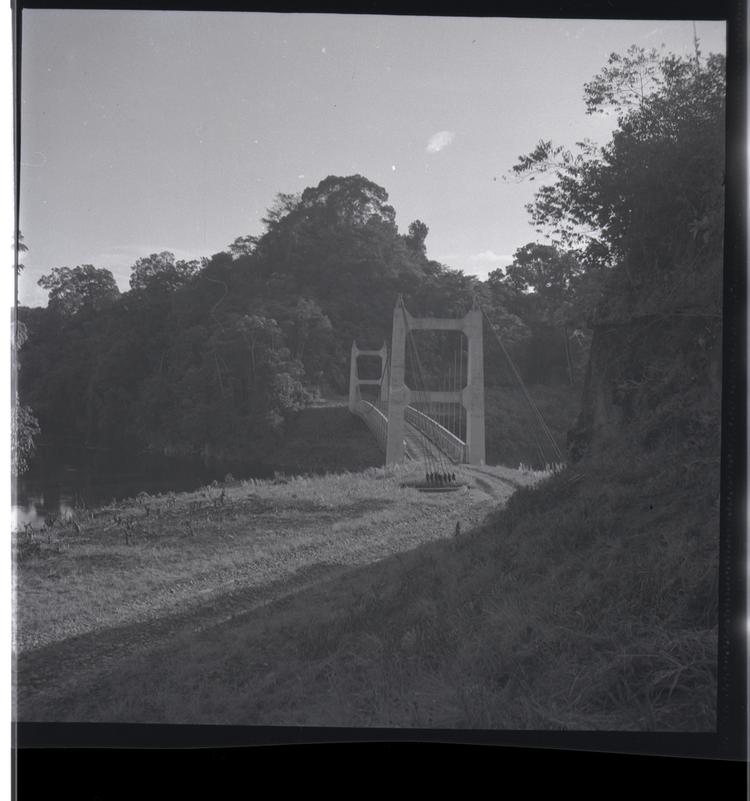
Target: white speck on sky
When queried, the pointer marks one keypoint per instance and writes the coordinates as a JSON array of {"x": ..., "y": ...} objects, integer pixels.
[
  {"x": 439, "y": 141},
  {"x": 144, "y": 131}
]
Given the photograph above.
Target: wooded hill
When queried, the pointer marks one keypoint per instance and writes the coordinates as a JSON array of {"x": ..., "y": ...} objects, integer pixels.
[{"x": 212, "y": 357}]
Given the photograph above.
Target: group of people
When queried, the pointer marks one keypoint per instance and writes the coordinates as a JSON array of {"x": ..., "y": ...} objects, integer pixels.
[{"x": 440, "y": 478}]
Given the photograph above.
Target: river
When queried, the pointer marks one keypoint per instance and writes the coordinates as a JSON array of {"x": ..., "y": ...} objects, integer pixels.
[{"x": 60, "y": 481}]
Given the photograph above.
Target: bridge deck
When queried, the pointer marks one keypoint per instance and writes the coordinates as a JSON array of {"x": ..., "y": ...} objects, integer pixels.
[
  {"x": 419, "y": 448},
  {"x": 425, "y": 439}
]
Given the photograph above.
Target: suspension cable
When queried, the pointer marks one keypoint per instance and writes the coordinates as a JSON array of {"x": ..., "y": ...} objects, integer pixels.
[
  {"x": 457, "y": 405},
  {"x": 431, "y": 454},
  {"x": 535, "y": 409},
  {"x": 434, "y": 456},
  {"x": 462, "y": 384},
  {"x": 417, "y": 393},
  {"x": 385, "y": 380}
]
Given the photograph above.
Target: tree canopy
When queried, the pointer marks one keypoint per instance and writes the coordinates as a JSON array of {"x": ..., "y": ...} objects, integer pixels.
[
  {"x": 650, "y": 201},
  {"x": 212, "y": 357},
  {"x": 160, "y": 272},
  {"x": 82, "y": 287}
]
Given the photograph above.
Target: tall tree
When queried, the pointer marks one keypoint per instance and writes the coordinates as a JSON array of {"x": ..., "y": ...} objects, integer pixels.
[
  {"x": 417, "y": 236},
  {"x": 84, "y": 287},
  {"x": 645, "y": 215},
  {"x": 19, "y": 247},
  {"x": 24, "y": 425},
  {"x": 243, "y": 246},
  {"x": 547, "y": 275},
  {"x": 161, "y": 272},
  {"x": 352, "y": 199},
  {"x": 650, "y": 202}
]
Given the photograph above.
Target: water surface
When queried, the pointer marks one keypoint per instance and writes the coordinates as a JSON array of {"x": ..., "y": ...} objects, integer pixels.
[{"x": 58, "y": 482}]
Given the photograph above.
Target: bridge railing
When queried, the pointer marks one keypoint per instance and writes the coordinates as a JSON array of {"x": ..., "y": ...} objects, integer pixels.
[
  {"x": 375, "y": 420},
  {"x": 446, "y": 440}
]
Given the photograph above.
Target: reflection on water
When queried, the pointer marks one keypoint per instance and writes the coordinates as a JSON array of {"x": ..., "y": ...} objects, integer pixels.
[
  {"x": 32, "y": 511},
  {"x": 60, "y": 483}
]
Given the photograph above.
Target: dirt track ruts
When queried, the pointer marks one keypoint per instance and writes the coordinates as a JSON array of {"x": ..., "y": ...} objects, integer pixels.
[{"x": 47, "y": 673}]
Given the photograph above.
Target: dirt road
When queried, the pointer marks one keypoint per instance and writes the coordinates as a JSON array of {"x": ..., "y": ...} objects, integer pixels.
[{"x": 267, "y": 558}]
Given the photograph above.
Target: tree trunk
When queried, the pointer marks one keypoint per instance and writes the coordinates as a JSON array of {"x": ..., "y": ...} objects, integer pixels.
[{"x": 567, "y": 355}]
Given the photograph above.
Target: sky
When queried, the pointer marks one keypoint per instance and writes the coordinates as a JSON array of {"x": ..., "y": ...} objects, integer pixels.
[{"x": 144, "y": 131}]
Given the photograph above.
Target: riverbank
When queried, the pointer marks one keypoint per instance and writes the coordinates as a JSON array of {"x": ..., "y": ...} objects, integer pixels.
[
  {"x": 348, "y": 600},
  {"x": 107, "y": 582}
]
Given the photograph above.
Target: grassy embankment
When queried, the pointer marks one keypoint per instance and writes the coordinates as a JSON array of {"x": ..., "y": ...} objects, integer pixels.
[
  {"x": 186, "y": 561},
  {"x": 154, "y": 554},
  {"x": 588, "y": 603}
]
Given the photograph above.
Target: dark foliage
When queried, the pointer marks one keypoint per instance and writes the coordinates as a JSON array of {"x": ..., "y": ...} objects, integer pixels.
[{"x": 215, "y": 358}]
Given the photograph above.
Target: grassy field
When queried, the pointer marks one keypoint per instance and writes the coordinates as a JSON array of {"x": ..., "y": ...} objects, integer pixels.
[
  {"x": 189, "y": 560},
  {"x": 587, "y": 603}
]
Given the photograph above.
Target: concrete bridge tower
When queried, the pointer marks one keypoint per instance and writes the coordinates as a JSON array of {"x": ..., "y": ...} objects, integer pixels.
[
  {"x": 471, "y": 396},
  {"x": 354, "y": 380}
]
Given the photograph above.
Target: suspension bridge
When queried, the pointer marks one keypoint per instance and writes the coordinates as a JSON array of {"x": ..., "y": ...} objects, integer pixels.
[{"x": 418, "y": 410}]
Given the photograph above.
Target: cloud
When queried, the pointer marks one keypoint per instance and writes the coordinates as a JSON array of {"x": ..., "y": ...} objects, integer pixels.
[
  {"x": 440, "y": 140},
  {"x": 482, "y": 264},
  {"x": 122, "y": 254},
  {"x": 490, "y": 256},
  {"x": 478, "y": 264}
]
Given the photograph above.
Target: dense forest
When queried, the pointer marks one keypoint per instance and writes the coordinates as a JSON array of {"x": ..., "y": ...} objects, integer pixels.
[{"x": 214, "y": 357}]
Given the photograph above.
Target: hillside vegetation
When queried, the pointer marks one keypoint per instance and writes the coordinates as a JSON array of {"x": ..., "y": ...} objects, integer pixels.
[
  {"x": 216, "y": 358},
  {"x": 102, "y": 585},
  {"x": 584, "y": 604}
]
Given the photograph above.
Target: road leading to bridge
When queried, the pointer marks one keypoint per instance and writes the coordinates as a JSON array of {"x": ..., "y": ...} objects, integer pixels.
[{"x": 274, "y": 541}]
